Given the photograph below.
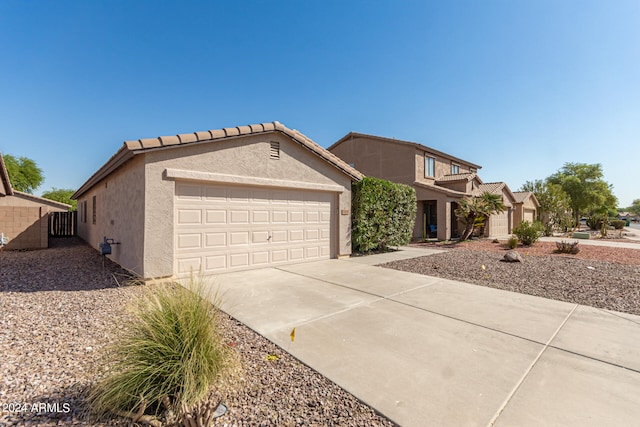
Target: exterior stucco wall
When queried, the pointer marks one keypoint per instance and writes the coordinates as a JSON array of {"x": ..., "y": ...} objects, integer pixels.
[
  {"x": 442, "y": 166},
  {"x": 119, "y": 214},
  {"x": 243, "y": 156},
  {"x": 380, "y": 159},
  {"x": 444, "y": 212}
]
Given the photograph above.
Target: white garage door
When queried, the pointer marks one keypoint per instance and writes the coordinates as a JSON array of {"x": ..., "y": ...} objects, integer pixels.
[{"x": 222, "y": 228}]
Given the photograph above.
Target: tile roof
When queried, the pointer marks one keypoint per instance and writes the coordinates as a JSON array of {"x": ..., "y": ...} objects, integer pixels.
[
  {"x": 458, "y": 177},
  {"x": 138, "y": 146},
  {"x": 522, "y": 196},
  {"x": 5, "y": 187},
  {"x": 439, "y": 189},
  {"x": 41, "y": 200},
  {"x": 494, "y": 188},
  {"x": 354, "y": 135}
]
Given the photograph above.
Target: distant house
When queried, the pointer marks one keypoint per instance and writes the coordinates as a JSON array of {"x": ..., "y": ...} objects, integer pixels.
[
  {"x": 440, "y": 180},
  {"x": 526, "y": 207},
  {"x": 24, "y": 218}
]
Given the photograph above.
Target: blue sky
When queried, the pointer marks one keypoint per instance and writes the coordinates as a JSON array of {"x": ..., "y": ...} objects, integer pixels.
[{"x": 519, "y": 87}]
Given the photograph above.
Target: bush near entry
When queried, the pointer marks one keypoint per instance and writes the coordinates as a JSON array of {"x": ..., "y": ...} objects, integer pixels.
[
  {"x": 384, "y": 214},
  {"x": 528, "y": 233}
]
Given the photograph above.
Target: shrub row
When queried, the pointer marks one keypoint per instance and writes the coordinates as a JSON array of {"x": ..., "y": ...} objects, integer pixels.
[{"x": 384, "y": 214}]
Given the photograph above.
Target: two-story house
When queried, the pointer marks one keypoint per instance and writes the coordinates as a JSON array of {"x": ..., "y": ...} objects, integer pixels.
[{"x": 440, "y": 181}]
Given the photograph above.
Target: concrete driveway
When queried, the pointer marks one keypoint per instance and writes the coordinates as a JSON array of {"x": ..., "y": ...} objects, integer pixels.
[{"x": 429, "y": 351}]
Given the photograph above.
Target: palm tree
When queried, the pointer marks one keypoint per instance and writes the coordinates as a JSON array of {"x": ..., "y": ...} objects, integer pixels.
[{"x": 471, "y": 209}]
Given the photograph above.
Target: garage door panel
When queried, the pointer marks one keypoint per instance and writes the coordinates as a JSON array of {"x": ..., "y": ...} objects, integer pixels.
[
  {"x": 214, "y": 263},
  {"x": 190, "y": 241},
  {"x": 260, "y": 217},
  {"x": 214, "y": 194},
  {"x": 189, "y": 216},
  {"x": 188, "y": 191},
  {"x": 215, "y": 240},
  {"x": 217, "y": 216},
  {"x": 227, "y": 228}
]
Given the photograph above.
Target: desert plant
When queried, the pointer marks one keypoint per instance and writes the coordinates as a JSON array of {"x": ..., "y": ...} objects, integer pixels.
[
  {"x": 512, "y": 243},
  {"x": 618, "y": 224},
  {"x": 169, "y": 355},
  {"x": 528, "y": 233},
  {"x": 567, "y": 247},
  {"x": 473, "y": 211}
]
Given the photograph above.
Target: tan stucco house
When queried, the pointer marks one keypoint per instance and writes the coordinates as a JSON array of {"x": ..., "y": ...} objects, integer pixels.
[
  {"x": 24, "y": 218},
  {"x": 526, "y": 207},
  {"x": 219, "y": 201},
  {"x": 440, "y": 181},
  {"x": 500, "y": 224}
]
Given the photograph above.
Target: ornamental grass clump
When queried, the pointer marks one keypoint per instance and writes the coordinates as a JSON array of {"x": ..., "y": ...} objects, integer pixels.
[{"x": 168, "y": 358}]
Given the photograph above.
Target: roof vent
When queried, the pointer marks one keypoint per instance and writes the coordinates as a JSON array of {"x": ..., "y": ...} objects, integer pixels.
[{"x": 274, "y": 152}]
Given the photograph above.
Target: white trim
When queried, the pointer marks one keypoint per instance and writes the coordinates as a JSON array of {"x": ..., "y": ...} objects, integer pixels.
[{"x": 248, "y": 180}]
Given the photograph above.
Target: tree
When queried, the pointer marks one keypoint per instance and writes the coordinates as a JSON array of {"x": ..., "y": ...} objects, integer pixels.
[
  {"x": 635, "y": 207},
  {"x": 555, "y": 204},
  {"x": 24, "y": 173},
  {"x": 62, "y": 195},
  {"x": 471, "y": 209},
  {"x": 586, "y": 189}
]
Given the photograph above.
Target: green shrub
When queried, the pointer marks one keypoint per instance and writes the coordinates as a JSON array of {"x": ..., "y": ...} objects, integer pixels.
[
  {"x": 512, "y": 243},
  {"x": 596, "y": 222},
  {"x": 384, "y": 214},
  {"x": 169, "y": 355},
  {"x": 618, "y": 224},
  {"x": 567, "y": 247},
  {"x": 528, "y": 233}
]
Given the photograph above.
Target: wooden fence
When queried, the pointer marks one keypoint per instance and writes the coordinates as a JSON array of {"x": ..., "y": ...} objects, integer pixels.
[{"x": 63, "y": 224}]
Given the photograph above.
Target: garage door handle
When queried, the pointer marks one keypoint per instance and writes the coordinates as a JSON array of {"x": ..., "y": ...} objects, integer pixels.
[{"x": 268, "y": 238}]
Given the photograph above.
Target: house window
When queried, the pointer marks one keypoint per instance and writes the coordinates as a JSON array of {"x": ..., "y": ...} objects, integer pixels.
[
  {"x": 455, "y": 169},
  {"x": 93, "y": 210},
  {"x": 83, "y": 217},
  {"x": 429, "y": 166}
]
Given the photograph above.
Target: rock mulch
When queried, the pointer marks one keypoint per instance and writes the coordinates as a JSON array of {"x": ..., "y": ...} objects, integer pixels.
[
  {"x": 59, "y": 309},
  {"x": 601, "y": 284}
]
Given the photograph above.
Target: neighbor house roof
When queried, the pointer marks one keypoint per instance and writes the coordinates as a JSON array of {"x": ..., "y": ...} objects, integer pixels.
[
  {"x": 5, "y": 184},
  {"x": 493, "y": 188},
  {"x": 438, "y": 189},
  {"x": 354, "y": 135},
  {"x": 522, "y": 196},
  {"x": 41, "y": 200},
  {"x": 139, "y": 146},
  {"x": 464, "y": 177}
]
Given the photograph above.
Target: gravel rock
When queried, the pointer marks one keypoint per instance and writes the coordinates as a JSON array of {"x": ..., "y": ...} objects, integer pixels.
[
  {"x": 565, "y": 278},
  {"x": 60, "y": 308},
  {"x": 512, "y": 256}
]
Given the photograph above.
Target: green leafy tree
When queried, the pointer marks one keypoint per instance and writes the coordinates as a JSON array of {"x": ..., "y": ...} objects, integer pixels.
[
  {"x": 62, "y": 195},
  {"x": 586, "y": 189},
  {"x": 635, "y": 207},
  {"x": 473, "y": 209},
  {"x": 555, "y": 204},
  {"x": 24, "y": 173}
]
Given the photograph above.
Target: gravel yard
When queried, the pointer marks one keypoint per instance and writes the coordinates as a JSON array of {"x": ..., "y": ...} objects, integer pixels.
[
  {"x": 598, "y": 276},
  {"x": 59, "y": 308}
]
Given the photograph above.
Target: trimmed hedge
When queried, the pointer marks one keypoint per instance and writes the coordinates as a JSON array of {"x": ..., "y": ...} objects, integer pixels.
[{"x": 384, "y": 214}]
